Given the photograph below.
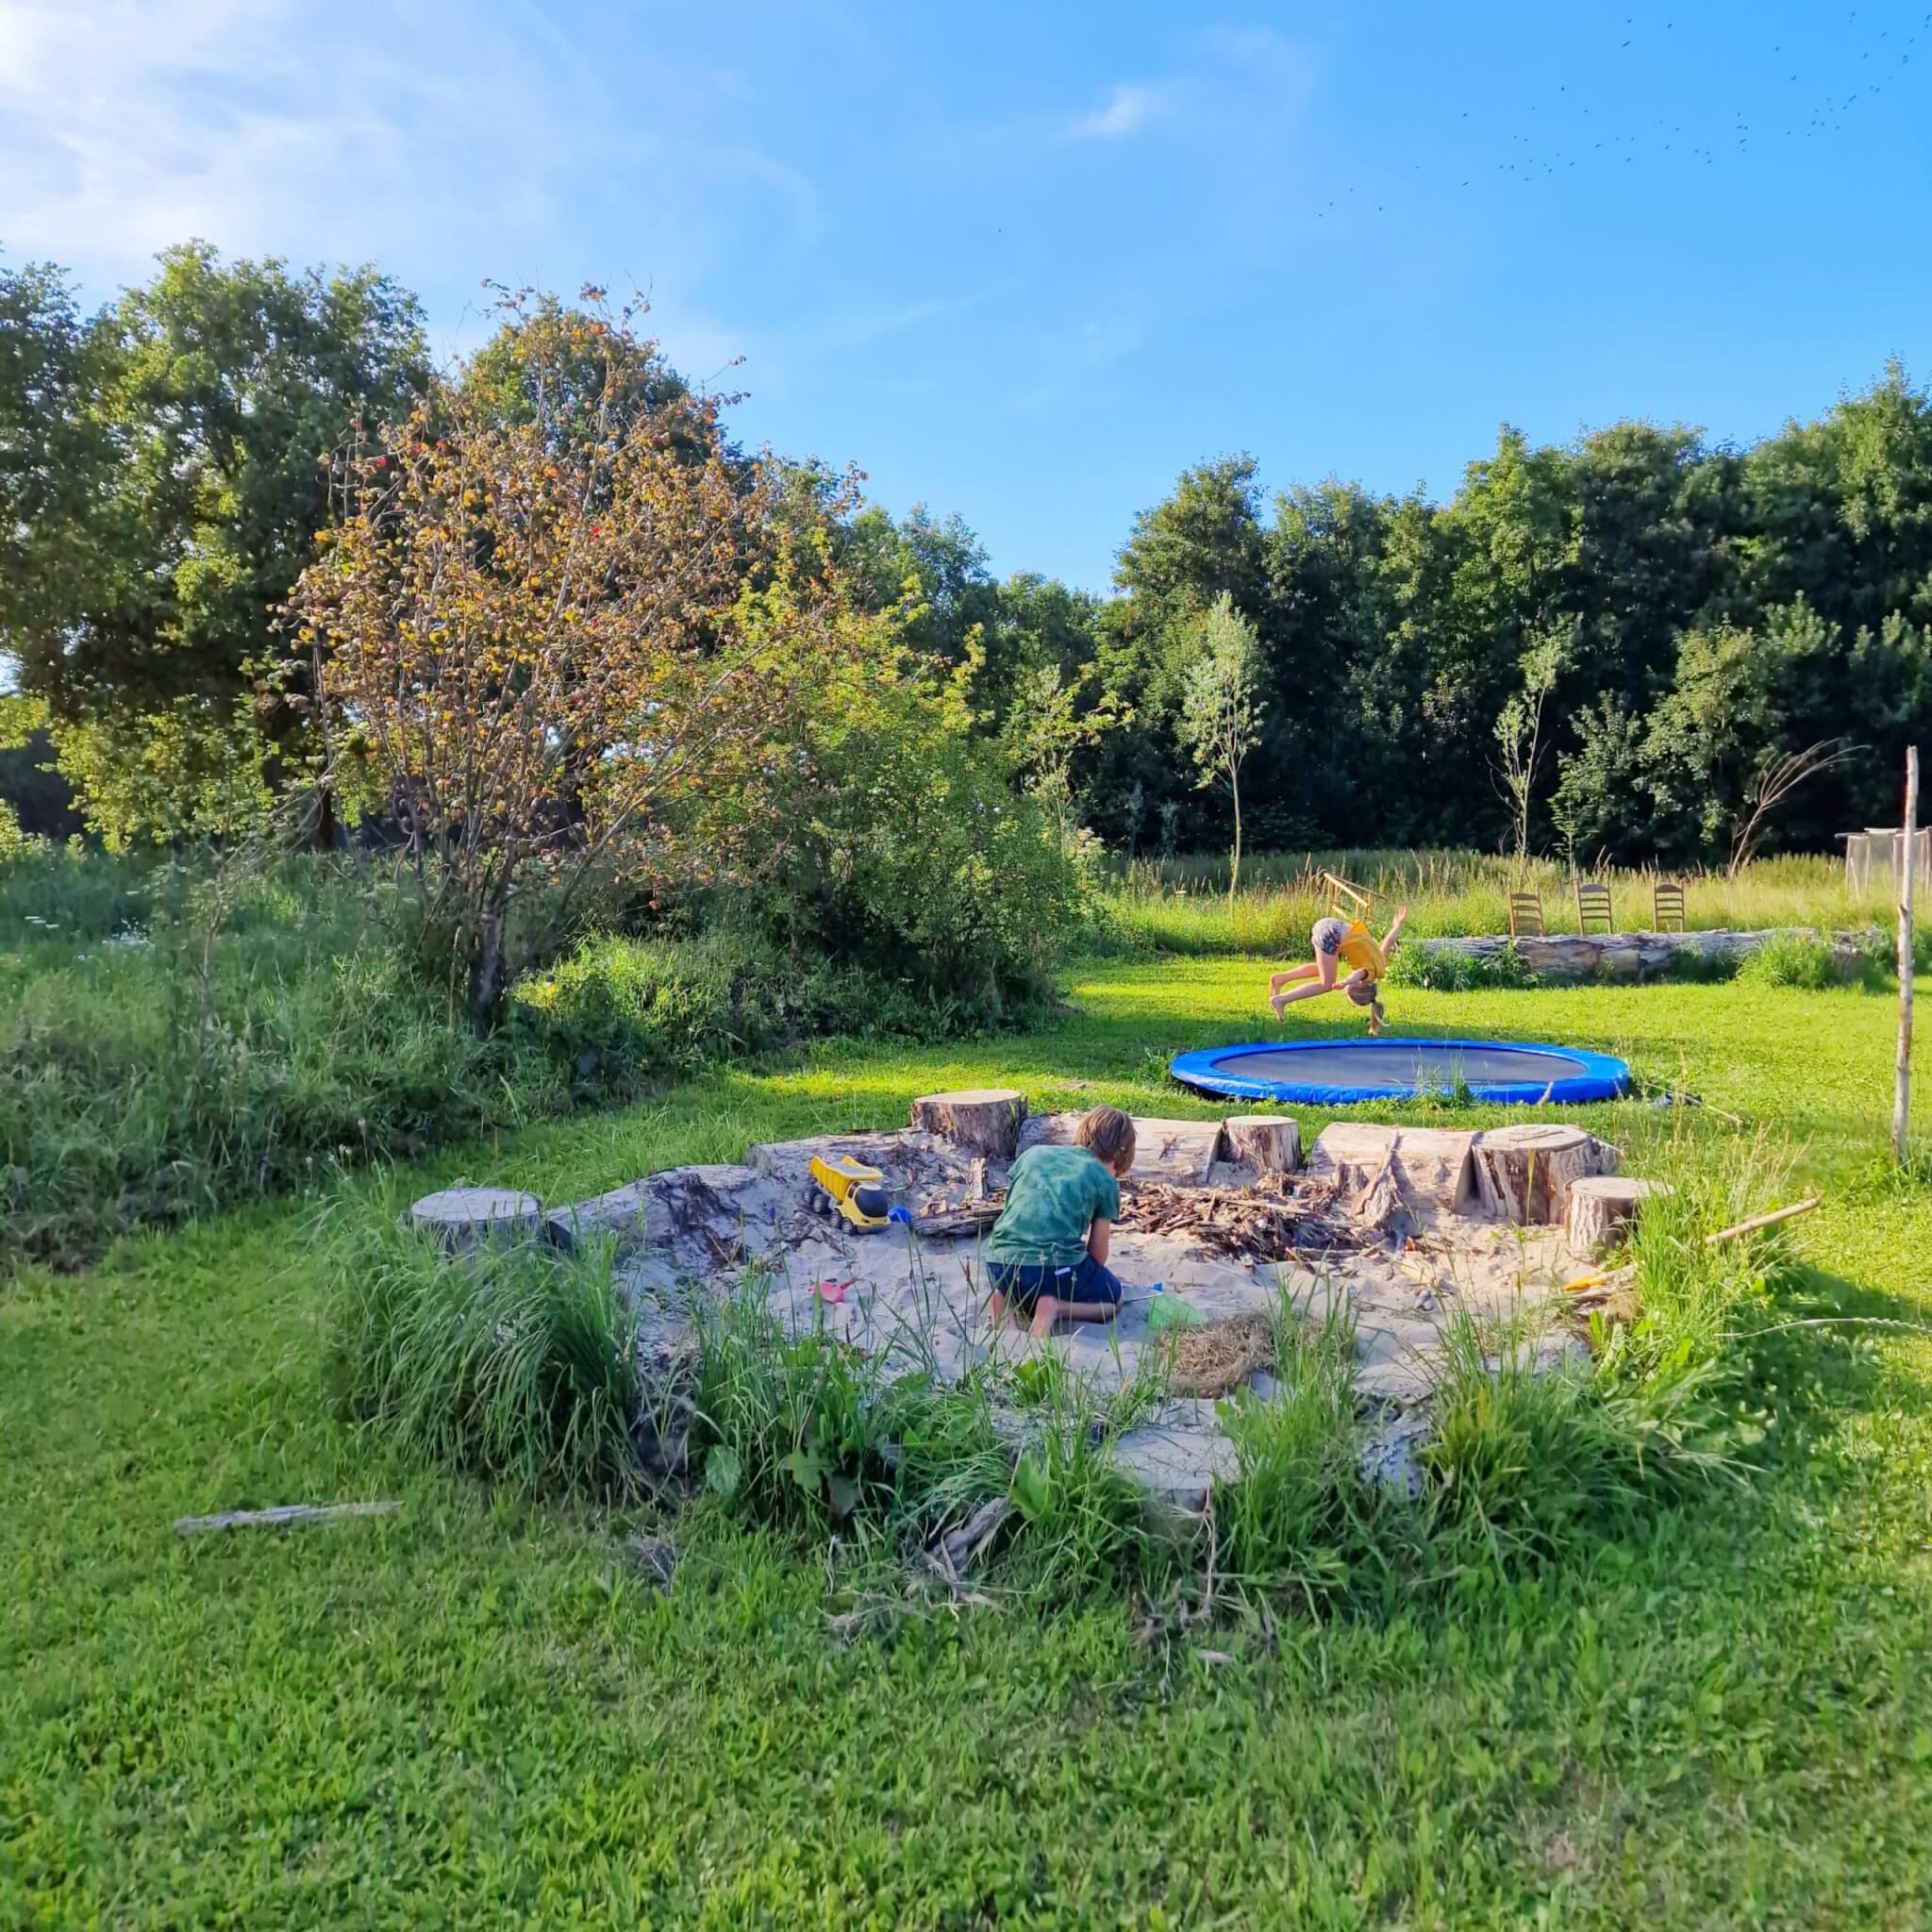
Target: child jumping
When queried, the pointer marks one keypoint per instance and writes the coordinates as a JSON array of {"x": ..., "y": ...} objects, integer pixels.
[
  {"x": 1337, "y": 942},
  {"x": 1046, "y": 1255}
]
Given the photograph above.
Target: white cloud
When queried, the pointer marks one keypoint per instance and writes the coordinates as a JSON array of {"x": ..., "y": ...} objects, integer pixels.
[
  {"x": 1241, "y": 78},
  {"x": 437, "y": 139},
  {"x": 1129, "y": 108}
]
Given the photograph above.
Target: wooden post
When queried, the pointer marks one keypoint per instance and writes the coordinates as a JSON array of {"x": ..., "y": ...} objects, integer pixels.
[{"x": 1901, "y": 1088}]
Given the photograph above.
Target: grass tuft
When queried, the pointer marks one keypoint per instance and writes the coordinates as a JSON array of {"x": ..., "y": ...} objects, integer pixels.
[{"x": 513, "y": 1361}]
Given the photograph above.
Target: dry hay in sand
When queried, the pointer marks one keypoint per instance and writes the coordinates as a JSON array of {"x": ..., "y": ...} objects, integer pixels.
[{"x": 1215, "y": 1360}]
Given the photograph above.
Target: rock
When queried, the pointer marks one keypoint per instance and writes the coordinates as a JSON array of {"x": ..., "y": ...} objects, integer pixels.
[
  {"x": 1523, "y": 1173},
  {"x": 654, "y": 1557},
  {"x": 1272, "y": 1143},
  {"x": 461, "y": 1216},
  {"x": 1601, "y": 1206},
  {"x": 978, "y": 1120}
]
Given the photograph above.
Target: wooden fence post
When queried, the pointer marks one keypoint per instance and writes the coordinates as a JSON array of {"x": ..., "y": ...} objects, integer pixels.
[{"x": 1902, "y": 1090}]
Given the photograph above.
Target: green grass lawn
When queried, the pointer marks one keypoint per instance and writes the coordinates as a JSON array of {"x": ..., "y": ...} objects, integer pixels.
[{"x": 473, "y": 1712}]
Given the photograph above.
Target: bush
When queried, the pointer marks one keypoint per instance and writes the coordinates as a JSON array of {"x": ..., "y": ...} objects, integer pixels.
[
  {"x": 618, "y": 1012},
  {"x": 514, "y": 1361}
]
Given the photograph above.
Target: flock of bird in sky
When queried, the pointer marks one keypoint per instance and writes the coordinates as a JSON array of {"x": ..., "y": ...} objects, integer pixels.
[{"x": 1885, "y": 62}]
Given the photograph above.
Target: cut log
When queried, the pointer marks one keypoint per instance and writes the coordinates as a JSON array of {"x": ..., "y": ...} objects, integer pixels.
[
  {"x": 1269, "y": 1141},
  {"x": 1181, "y": 1153},
  {"x": 1048, "y": 1130},
  {"x": 1523, "y": 1173},
  {"x": 461, "y": 1216},
  {"x": 977, "y": 1120},
  {"x": 1601, "y": 1206},
  {"x": 1431, "y": 1167}
]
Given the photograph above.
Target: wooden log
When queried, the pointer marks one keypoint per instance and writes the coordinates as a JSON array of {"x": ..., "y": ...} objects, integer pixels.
[
  {"x": 281, "y": 1514},
  {"x": 1180, "y": 1153},
  {"x": 1271, "y": 1142},
  {"x": 976, "y": 1120},
  {"x": 461, "y": 1216},
  {"x": 1602, "y": 1206},
  {"x": 1523, "y": 1173},
  {"x": 1431, "y": 1165}
]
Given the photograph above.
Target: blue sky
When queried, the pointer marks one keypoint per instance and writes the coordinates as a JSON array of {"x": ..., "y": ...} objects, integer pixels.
[{"x": 1029, "y": 261}]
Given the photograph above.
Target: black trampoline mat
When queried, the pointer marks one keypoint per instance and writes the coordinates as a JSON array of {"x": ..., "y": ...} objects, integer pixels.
[{"x": 1371, "y": 1063}]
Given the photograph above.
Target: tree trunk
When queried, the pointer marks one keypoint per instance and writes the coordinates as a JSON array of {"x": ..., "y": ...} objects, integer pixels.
[
  {"x": 1233, "y": 876},
  {"x": 980, "y": 1120},
  {"x": 1602, "y": 1206},
  {"x": 1524, "y": 1173},
  {"x": 1269, "y": 1141},
  {"x": 486, "y": 972},
  {"x": 1902, "y": 1073}
]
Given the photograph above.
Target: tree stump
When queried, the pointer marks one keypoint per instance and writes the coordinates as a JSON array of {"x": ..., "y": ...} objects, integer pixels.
[
  {"x": 1524, "y": 1173},
  {"x": 977, "y": 1120},
  {"x": 1271, "y": 1142},
  {"x": 1431, "y": 1164},
  {"x": 461, "y": 1216},
  {"x": 1602, "y": 1206}
]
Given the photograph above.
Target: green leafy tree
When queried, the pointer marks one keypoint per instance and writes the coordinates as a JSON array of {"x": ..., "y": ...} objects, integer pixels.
[
  {"x": 1221, "y": 707},
  {"x": 204, "y": 407}
]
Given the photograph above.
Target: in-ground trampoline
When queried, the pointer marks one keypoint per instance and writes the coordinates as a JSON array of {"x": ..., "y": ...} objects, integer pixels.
[{"x": 1333, "y": 1072}]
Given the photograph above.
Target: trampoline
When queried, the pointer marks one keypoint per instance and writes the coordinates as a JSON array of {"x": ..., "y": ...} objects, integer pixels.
[{"x": 1333, "y": 1072}]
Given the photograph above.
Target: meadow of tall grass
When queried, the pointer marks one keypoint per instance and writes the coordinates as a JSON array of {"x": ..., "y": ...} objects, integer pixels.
[{"x": 1182, "y": 905}]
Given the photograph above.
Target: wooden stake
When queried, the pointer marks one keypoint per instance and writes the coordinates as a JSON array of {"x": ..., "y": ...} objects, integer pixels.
[{"x": 1902, "y": 1079}]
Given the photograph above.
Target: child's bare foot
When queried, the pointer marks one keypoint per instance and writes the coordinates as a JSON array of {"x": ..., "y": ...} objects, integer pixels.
[
  {"x": 1278, "y": 1001},
  {"x": 1045, "y": 1313}
]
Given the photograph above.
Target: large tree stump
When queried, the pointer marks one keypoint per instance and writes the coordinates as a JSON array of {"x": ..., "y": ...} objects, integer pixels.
[
  {"x": 1180, "y": 1153},
  {"x": 1269, "y": 1141},
  {"x": 1601, "y": 1206},
  {"x": 1524, "y": 1173},
  {"x": 461, "y": 1216},
  {"x": 977, "y": 1120},
  {"x": 1430, "y": 1165}
]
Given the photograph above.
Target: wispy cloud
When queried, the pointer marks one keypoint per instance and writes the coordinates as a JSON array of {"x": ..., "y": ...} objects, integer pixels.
[
  {"x": 1128, "y": 108},
  {"x": 442, "y": 139},
  {"x": 1239, "y": 77}
]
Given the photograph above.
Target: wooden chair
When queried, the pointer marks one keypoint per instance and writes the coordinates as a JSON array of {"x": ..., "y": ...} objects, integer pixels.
[
  {"x": 1525, "y": 915},
  {"x": 1666, "y": 906},
  {"x": 1593, "y": 902},
  {"x": 1353, "y": 903}
]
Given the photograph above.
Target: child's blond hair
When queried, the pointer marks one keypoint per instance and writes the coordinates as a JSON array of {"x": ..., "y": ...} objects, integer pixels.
[{"x": 1108, "y": 1134}]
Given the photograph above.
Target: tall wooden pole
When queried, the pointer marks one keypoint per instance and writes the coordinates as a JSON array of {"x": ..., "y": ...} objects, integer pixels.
[{"x": 1902, "y": 1091}]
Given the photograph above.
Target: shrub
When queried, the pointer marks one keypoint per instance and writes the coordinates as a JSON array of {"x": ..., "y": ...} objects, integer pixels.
[{"x": 514, "y": 1361}]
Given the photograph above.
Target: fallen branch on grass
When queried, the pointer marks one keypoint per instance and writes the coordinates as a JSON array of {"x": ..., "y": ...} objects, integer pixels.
[
  {"x": 282, "y": 1513},
  {"x": 1616, "y": 1277}
]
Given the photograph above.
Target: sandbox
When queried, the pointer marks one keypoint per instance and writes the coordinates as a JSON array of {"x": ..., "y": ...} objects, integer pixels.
[{"x": 1403, "y": 1226}]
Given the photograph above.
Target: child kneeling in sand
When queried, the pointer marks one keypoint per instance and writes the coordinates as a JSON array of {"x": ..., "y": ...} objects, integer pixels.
[{"x": 1046, "y": 1256}]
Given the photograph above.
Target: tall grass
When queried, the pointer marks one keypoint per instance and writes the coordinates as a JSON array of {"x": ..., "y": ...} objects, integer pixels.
[
  {"x": 513, "y": 1361},
  {"x": 1181, "y": 905}
]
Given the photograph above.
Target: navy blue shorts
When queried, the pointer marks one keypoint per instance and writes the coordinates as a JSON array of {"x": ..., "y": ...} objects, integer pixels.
[{"x": 1022, "y": 1285}]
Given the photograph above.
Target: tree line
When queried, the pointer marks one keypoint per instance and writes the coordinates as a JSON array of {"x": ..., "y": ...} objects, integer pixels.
[{"x": 1642, "y": 644}]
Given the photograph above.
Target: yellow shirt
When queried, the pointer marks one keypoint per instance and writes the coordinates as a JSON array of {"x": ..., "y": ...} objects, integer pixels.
[{"x": 1359, "y": 949}]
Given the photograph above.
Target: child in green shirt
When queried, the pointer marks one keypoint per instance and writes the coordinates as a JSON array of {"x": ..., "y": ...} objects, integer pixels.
[{"x": 1046, "y": 1255}]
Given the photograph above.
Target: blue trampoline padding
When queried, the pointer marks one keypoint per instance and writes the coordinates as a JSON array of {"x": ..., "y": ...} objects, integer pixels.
[{"x": 1335, "y": 1073}]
